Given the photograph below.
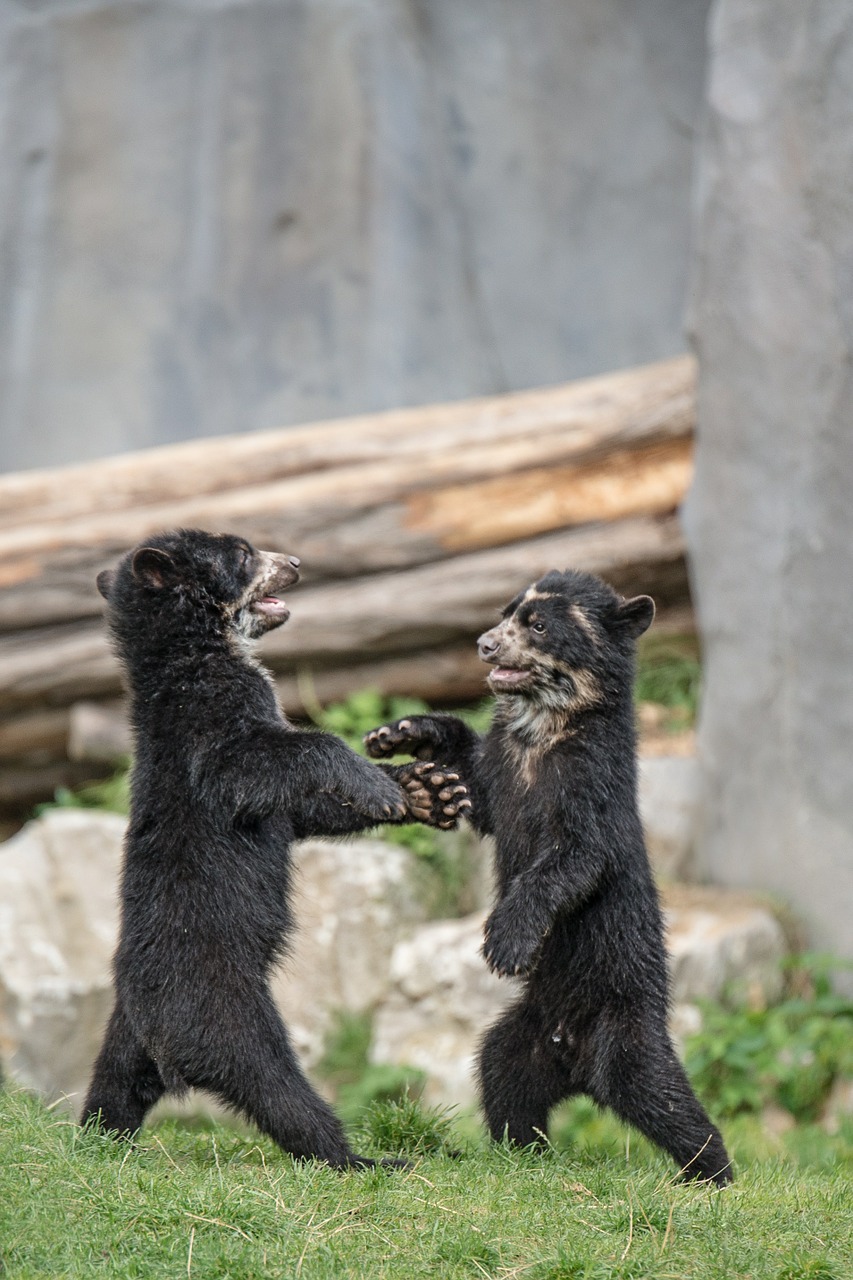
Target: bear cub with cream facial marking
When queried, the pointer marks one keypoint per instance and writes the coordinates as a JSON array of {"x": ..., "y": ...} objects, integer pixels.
[
  {"x": 577, "y": 914},
  {"x": 221, "y": 787}
]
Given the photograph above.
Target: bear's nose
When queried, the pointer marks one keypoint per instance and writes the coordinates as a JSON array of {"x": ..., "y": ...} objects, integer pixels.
[
  {"x": 488, "y": 645},
  {"x": 295, "y": 561}
]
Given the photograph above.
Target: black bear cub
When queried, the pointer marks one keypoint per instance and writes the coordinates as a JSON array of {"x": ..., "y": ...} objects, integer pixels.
[
  {"x": 577, "y": 911},
  {"x": 221, "y": 786}
]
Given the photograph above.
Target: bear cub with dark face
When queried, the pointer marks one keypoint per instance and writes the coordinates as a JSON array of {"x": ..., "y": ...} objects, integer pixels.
[
  {"x": 577, "y": 912},
  {"x": 221, "y": 786}
]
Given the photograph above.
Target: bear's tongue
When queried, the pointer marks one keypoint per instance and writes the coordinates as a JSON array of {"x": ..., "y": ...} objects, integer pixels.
[
  {"x": 271, "y": 605},
  {"x": 507, "y": 675}
]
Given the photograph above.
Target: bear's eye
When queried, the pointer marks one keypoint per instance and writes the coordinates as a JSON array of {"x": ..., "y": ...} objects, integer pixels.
[
  {"x": 538, "y": 627},
  {"x": 245, "y": 557}
]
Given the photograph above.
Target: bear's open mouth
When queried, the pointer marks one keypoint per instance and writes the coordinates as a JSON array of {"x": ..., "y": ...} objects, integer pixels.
[
  {"x": 509, "y": 676},
  {"x": 271, "y": 607}
]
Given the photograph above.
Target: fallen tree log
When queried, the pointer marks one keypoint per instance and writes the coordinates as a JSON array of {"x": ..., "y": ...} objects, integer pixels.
[
  {"x": 435, "y": 604},
  {"x": 99, "y": 732},
  {"x": 586, "y": 415},
  {"x": 414, "y": 528},
  {"x": 22, "y": 788},
  {"x": 35, "y": 737},
  {"x": 403, "y": 489}
]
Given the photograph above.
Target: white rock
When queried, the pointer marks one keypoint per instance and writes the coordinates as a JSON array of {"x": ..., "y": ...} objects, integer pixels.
[
  {"x": 356, "y": 906},
  {"x": 443, "y": 998},
  {"x": 353, "y": 901},
  {"x": 58, "y": 919},
  {"x": 725, "y": 948}
]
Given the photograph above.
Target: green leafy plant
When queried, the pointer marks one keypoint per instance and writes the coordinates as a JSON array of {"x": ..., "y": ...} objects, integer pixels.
[
  {"x": 789, "y": 1054},
  {"x": 110, "y": 794},
  {"x": 361, "y": 712},
  {"x": 669, "y": 674}
]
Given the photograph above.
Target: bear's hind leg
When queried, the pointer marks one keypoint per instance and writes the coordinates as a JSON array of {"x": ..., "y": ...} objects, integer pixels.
[
  {"x": 521, "y": 1078},
  {"x": 257, "y": 1073},
  {"x": 125, "y": 1082},
  {"x": 643, "y": 1081}
]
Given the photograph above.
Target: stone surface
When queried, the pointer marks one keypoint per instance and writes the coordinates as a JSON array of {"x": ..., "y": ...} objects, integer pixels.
[
  {"x": 669, "y": 792},
  {"x": 58, "y": 928},
  {"x": 220, "y": 216},
  {"x": 361, "y": 945},
  {"x": 724, "y": 950},
  {"x": 353, "y": 902},
  {"x": 58, "y": 911},
  {"x": 770, "y": 517},
  {"x": 443, "y": 997},
  {"x": 442, "y": 1000}
]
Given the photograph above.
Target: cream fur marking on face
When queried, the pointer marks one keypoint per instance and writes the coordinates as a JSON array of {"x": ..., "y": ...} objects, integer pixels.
[
  {"x": 583, "y": 620},
  {"x": 269, "y": 569},
  {"x": 587, "y": 691},
  {"x": 273, "y": 575},
  {"x": 535, "y": 725}
]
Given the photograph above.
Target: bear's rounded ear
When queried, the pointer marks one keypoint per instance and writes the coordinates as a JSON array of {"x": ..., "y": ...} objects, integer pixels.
[
  {"x": 105, "y": 582},
  {"x": 153, "y": 568},
  {"x": 635, "y": 616}
]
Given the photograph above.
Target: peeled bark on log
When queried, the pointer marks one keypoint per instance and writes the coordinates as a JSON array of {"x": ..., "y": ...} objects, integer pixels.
[
  {"x": 100, "y": 731},
  {"x": 415, "y": 528},
  {"x": 453, "y": 599},
  {"x": 435, "y": 604},
  {"x": 451, "y": 479}
]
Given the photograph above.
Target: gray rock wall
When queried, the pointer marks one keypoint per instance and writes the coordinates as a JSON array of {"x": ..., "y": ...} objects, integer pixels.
[
  {"x": 770, "y": 518},
  {"x": 218, "y": 215}
]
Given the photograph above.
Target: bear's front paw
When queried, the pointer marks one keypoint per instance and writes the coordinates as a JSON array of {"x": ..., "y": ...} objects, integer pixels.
[
  {"x": 509, "y": 948},
  {"x": 386, "y": 801},
  {"x": 409, "y": 737},
  {"x": 434, "y": 795}
]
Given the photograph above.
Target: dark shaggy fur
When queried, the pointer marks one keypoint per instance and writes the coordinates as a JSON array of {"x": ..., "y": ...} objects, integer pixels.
[
  {"x": 577, "y": 910},
  {"x": 221, "y": 786}
]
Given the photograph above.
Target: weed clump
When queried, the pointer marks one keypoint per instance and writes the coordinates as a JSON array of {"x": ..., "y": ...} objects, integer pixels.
[{"x": 407, "y": 1128}]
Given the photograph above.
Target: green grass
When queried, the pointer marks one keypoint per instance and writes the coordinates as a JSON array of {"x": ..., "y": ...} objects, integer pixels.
[{"x": 210, "y": 1202}]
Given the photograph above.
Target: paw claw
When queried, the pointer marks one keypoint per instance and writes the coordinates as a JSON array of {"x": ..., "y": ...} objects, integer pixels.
[{"x": 449, "y": 792}]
